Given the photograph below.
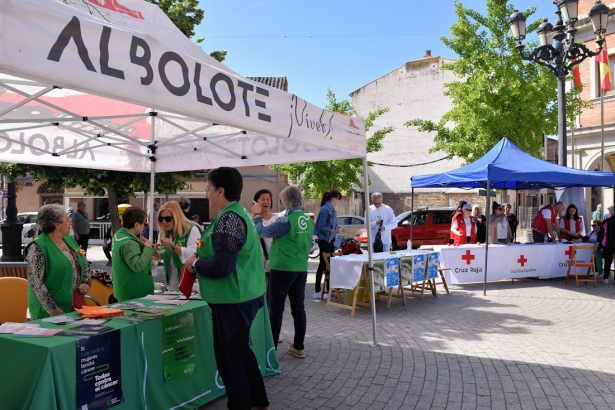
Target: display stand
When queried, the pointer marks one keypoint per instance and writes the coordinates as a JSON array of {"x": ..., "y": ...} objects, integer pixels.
[{"x": 361, "y": 284}]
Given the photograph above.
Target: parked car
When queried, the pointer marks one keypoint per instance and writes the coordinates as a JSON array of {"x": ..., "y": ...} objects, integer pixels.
[
  {"x": 30, "y": 226},
  {"x": 351, "y": 223},
  {"x": 432, "y": 226}
]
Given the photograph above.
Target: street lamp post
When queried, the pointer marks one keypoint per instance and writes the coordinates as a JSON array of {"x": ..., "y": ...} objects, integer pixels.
[{"x": 564, "y": 54}]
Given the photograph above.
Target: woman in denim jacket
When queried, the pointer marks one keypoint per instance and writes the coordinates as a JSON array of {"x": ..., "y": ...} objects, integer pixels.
[{"x": 326, "y": 226}]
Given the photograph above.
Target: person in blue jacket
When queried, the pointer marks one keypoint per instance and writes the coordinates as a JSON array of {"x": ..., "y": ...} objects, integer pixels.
[{"x": 326, "y": 227}]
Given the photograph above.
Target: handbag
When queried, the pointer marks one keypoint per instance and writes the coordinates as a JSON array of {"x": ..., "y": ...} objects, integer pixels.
[
  {"x": 378, "y": 246},
  {"x": 186, "y": 281}
]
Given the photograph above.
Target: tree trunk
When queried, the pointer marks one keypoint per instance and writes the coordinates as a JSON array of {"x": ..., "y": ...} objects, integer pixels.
[{"x": 113, "y": 203}]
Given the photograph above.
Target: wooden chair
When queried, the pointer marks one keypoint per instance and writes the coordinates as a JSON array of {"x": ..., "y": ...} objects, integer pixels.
[
  {"x": 98, "y": 294},
  {"x": 327, "y": 274},
  {"x": 576, "y": 263},
  {"x": 13, "y": 300}
]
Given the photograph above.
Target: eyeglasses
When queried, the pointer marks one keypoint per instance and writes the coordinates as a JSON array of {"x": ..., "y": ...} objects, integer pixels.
[
  {"x": 210, "y": 188},
  {"x": 165, "y": 218},
  {"x": 467, "y": 210},
  {"x": 144, "y": 223},
  {"x": 593, "y": 226},
  {"x": 499, "y": 209}
]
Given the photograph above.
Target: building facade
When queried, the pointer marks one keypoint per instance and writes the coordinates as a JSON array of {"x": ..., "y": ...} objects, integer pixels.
[
  {"x": 585, "y": 141},
  {"x": 414, "y": 90}
]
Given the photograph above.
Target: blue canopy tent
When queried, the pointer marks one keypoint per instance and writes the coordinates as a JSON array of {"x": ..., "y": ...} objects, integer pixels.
[{"x": 506, "y": 166}]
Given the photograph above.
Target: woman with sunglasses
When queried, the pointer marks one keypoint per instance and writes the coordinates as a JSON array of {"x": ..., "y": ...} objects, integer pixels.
[
  {"x": 571, "y": 225},
  {"x": 132, "y": 257},
  {"x": 178, "y": 237}
]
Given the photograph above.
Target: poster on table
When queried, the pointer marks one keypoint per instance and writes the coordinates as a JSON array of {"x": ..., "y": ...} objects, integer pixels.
[
  {"x": 405, "y": 269},
  {"x": 178, "y": 346},
  {"x": 432, "y": 266},
  {"x": 379, "y": 275},
  {"x": 391, "y": 279},
  {"x": 418, "y": 267},
  {"x": 99, "y": 371}
]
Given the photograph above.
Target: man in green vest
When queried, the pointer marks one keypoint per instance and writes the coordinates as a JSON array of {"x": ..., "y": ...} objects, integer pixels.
[{"x": 288, "y": 260}]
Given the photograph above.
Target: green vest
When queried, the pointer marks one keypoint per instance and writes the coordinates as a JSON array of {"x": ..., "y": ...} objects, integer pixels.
[
  {"x": 176, "y": 258},
  {"x": 290, "y": 252},
  {"x": 128, "y": 284},
  {"x": 58, "y": 276},
  {"x": 247, "y": 281}
]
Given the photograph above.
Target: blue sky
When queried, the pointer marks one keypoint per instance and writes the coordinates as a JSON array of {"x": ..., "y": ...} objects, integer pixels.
[{"x": 340, "y": 44}]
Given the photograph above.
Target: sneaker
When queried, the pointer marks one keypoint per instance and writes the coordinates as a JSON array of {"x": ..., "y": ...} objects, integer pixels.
[
  {"x": 606, "y": 281},
  {"x": 316, "y": 295},
  {"x": 325, "y": 296},
  {"x": 297, "y": 353}
]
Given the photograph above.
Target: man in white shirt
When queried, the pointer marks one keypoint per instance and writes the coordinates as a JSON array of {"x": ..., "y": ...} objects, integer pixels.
[{"x": 380, "y": 213}]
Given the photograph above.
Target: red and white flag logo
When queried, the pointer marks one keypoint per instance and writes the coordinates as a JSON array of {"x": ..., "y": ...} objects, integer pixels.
[{"x": 114, "y": 5}]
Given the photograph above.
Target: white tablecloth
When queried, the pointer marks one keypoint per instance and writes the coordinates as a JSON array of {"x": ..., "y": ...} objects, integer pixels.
[
  {"x": 467, "y": 262},
  {"x": 346, "y": 270}
]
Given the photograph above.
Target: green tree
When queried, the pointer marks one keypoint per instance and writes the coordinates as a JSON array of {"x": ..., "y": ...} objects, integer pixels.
[
  {"x": 186, "y": 15},
  {"x": 319, "y": 177},
  {"x": 497, "y": 94}
]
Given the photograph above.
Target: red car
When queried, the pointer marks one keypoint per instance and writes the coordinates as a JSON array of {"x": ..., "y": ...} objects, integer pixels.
[{"x": 431, "y": 227}]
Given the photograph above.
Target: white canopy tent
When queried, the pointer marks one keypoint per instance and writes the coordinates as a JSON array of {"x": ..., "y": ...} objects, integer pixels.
[{"x": 114, "y": 85}]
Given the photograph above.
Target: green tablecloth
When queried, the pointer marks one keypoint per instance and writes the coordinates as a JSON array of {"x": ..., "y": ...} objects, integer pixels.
[{"x": 40, "y": 373}]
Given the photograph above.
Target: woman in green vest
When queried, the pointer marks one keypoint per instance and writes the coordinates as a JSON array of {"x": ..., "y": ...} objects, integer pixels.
[
  {"x": 56, "y": 265},
  {"x": 178, "y": 237},
  {"x": 232, "y": 281},
  {"x": 288, "y": 260},
  {"x": 132, "y": 258}
]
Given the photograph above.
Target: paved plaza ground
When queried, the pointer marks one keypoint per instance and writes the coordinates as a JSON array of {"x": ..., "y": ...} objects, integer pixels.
[{"x": 531, "y": 344}]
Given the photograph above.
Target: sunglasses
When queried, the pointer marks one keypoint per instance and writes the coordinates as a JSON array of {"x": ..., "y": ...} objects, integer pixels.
[
  {"x": 499, "y": 209},
  {"x": 165, "y": 218},
  {"x": 594, "y": 225}
]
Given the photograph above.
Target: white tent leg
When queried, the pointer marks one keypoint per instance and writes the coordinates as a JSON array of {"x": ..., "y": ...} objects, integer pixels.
[
  {"x": 487, "y": 241},
  {"x": 152, "y": 175},
  {"x": 370, "y": 249}
]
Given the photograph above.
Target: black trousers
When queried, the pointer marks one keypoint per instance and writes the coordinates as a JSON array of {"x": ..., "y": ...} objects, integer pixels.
[
  {"x": 239, "y": 370},
  {"x": 324, "y": 247},
  {"x": 83, "y": 241},
  {"x": 608, "y": 260},
  {"x": 291, "y": 284}
]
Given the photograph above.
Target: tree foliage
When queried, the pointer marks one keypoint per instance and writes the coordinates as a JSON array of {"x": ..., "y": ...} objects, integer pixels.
[
  {"x": 319, "y": 177},
  {"x": 497, "y": 94}
]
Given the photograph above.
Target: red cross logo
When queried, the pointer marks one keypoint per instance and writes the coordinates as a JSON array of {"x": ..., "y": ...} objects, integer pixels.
[
  {"x": 468, "y": 257},
  {"x": 569, "y": 251},
  {"x": 522, "y": 260}
]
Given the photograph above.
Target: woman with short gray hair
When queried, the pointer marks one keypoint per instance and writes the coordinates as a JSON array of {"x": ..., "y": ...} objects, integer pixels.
[
  {"x": 58, "y": 273},
  {"x": 288, "y": 263}
]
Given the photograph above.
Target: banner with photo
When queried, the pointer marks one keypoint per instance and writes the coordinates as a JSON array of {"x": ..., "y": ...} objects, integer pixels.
[{"x": 99, "y": 371}]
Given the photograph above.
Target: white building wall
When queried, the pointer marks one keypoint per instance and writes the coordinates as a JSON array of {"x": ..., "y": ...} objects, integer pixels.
[{"x": 414, "y": 90}]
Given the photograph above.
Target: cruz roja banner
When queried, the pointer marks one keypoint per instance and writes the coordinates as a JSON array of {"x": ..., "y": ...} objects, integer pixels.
[{"x": 99, "y": 371}]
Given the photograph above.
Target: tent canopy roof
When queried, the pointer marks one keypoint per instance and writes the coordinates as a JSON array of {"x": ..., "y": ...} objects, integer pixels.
[
  {"x": 113, "y": 86},
  {"x": 506, "y": 166}
]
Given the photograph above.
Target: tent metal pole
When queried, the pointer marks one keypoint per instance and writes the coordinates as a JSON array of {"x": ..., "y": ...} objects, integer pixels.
[
  {"x": 487, "y": 241},
  {"x": 411, "y": 216},
  {"x": 370, "y": 250},
  {"x": 152, "y": 175}
]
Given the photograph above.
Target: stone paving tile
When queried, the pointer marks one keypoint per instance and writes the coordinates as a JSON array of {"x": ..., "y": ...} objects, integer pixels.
[{"x": 531, "y": 344}]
